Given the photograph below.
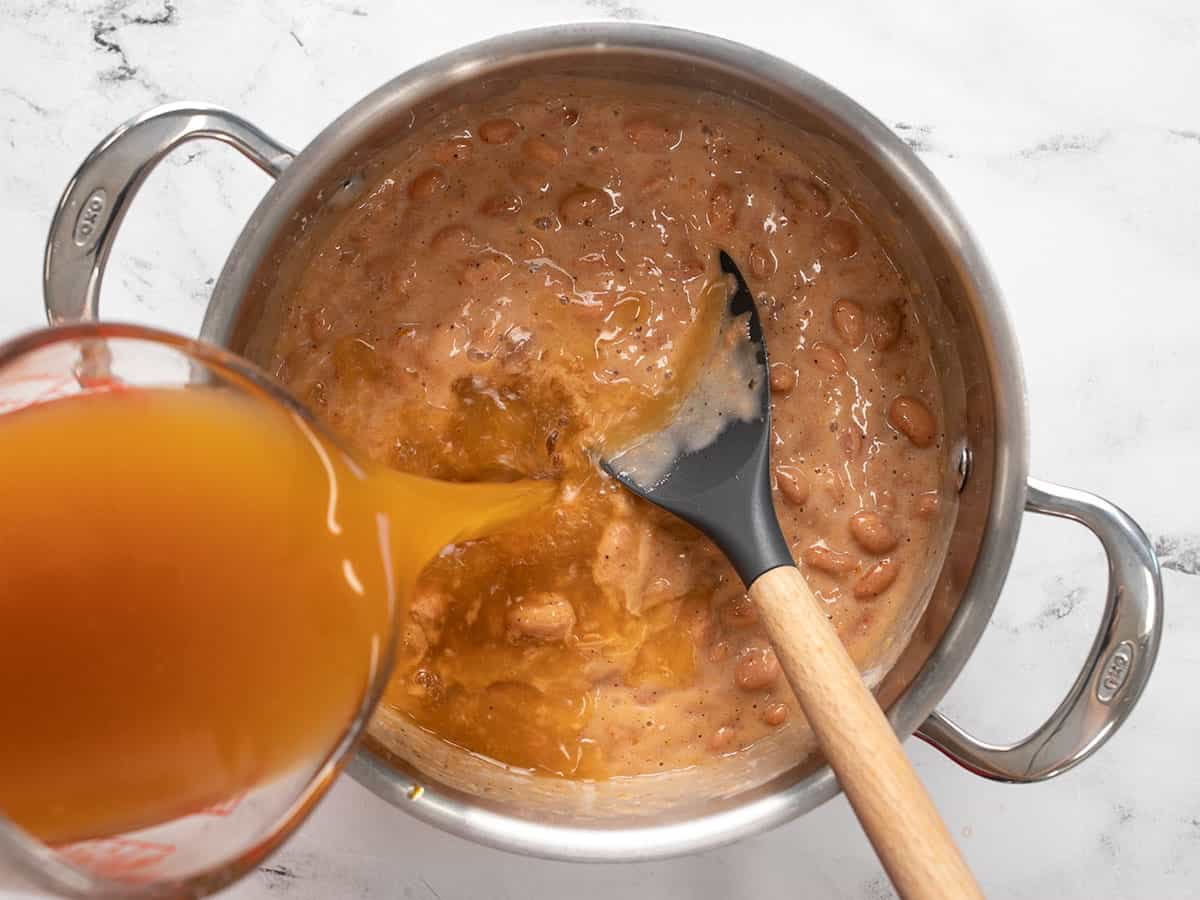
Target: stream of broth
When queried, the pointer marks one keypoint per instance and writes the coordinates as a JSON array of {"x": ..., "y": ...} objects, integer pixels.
[{"x": 197, "y": 590}]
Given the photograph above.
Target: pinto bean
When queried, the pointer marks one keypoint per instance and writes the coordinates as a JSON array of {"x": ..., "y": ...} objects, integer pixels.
[
  {"x": 427, "y": 684},
  {"x": 585, "y": 206},
  {"x": 547, "y": 617},
  {"x": 792, "y": 484},
  {"x": 530, "y": 177},
  {"x": 885, "y": 326},
  {"x": 652, "y": 134},
  {"x": 850, "y": 322},
  {"x": 775, "y": 714},
  {"x": 825, "y": 559},
  {"x": 872, "y": 532},
  {"x": 927, "y": 505},
  {"x": 452, "y": 150},
  {"x": 498, "y": 131},
  {"x": 762, "y": 262},
  {"x": 501, "y": 205},
  {"x": 840, "y": 238},
  {"x": 877, "y": 579},
  {"x": 809, "y": 196},
  {"x": 827, "y": 358},
  {"x": 540, "y": 150},
  {"x": 723, "y": 739},
  {"x": 455, "y": 240},
  {"x": 428, "y": 185},
  {"x": 912, "y": 418},
  {"x": 783, "y": 379},
  {"x": 756, "y": 669}
]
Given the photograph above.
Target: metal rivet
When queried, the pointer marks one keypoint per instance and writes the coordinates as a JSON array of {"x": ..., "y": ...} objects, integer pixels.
[{"x": 965, "y": 460}]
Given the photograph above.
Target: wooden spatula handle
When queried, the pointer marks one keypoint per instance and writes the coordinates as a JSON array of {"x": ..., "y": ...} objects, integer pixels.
[{"x": 891, "y": 803}]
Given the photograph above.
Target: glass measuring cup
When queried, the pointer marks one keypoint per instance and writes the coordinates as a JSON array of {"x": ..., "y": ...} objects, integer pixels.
[{"x": 204, "y": 849}]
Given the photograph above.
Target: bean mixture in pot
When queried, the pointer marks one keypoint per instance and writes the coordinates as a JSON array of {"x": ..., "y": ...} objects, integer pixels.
[{"x": 521, "y": 279}]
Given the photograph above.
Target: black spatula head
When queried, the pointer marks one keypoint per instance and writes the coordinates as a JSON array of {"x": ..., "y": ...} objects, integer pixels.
[{"x": 723, "y": 488}]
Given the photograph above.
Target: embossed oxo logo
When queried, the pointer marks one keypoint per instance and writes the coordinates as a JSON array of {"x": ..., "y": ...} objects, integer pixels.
[
  {"x": 90, "y": 217},
  {"x": 1115, "y": 671}
]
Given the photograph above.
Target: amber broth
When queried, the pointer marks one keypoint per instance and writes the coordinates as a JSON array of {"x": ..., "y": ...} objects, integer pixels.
[{"x": 197, "y": 590}]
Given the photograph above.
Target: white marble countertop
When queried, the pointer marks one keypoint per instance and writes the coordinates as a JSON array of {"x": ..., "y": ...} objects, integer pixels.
[{"x": 1071, "y": 140}]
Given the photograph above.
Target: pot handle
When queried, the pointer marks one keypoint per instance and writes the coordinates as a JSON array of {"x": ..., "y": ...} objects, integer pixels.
[
  {"x": 98, "y": 195},
  {"x": 1117, "y": 666}
]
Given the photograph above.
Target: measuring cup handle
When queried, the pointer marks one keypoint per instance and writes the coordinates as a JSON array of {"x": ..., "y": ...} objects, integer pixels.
[{"x": 98, "y": 195}]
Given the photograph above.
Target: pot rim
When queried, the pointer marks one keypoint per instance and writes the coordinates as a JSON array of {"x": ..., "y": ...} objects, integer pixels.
[{"x": 468, "y": 816}]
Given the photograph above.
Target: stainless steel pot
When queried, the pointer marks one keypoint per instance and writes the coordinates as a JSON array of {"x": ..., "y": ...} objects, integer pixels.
[{"x": 991, "y": 446}]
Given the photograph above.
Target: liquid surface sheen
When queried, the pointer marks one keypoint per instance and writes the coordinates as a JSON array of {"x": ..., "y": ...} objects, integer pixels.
[
  {"x": 520, "y": 280},
  {"x": 196, "y": 589}
]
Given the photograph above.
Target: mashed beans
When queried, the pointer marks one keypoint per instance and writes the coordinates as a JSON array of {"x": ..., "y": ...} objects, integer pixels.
[{"x": 520, "y": 280}]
